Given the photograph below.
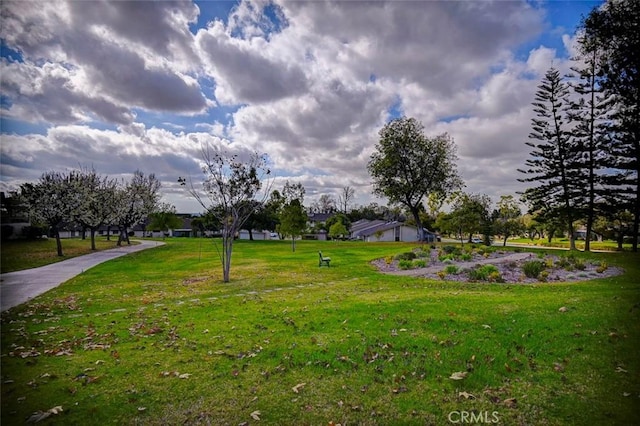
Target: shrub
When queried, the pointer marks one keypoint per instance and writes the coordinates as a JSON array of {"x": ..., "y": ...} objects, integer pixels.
[
  {"x": 420, "y": 263},
  {"x": 533, "y": 268},
  {"x": 466, "y": 257},
  {"x": 579, "y": 264},
  {"x": 451, "y": 270},
  {"x": 482, "y": 273},
  {"x": 495, "y": 277},
  {"x": 445, "y": 258},
  {"x": 442, "y": 274},
  {"x": 543, "y": 276},
  {"x": 451, "y": 249},
  {"x": 405, "y": 264},
  {"x": 602, "y": 267},
  {"x": 388, "y": 260},
  {"x": 406, "y": 256},
  {"x": 422, "y": 253}
]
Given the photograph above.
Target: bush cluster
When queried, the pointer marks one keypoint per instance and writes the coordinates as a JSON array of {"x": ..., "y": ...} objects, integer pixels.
[
  {"x": 533, "y": 268},
  {"x": 485, "y": 273},
  {"x": 406, "y": 256}
]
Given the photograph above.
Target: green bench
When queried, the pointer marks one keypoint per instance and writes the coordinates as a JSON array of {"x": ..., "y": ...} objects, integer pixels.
[{"x": 323, "y": 260}]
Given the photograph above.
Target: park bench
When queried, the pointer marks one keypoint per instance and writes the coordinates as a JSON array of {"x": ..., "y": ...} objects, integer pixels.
[{"x": 323, "y": 260}]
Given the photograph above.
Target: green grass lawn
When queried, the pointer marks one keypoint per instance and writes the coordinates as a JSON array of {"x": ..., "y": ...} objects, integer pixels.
[
  {"x": 564, "y": 243},
  {"x": 24, "y": 254},
  {"x": 156, "y": 337}
]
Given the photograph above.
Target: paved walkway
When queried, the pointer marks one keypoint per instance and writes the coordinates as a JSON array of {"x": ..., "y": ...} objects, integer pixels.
[{"x": 20, "y": 286}]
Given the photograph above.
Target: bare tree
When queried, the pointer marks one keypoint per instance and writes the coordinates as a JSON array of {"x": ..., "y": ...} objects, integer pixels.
[
  {"x": 230, "y": 188},
  {"x": 346, "y": 198}
]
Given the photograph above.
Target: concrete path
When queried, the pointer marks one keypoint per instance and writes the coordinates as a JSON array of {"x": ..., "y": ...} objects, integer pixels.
[
  {"x": 18, "y": 287},
  {"x": 434, "y": 269}
]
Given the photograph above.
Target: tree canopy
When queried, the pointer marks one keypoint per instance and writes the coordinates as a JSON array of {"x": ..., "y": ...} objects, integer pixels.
[{"x": 407, "y": 166}]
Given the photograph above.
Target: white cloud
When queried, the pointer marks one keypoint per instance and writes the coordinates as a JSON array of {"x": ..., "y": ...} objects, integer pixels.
[{"x": 309, "y": 83}]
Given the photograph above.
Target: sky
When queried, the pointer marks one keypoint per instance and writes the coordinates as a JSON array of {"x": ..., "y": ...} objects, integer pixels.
[{"x": 122, "y": 86}]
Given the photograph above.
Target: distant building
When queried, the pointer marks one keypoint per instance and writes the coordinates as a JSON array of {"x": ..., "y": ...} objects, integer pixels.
[{"x": 379, "y": 230}]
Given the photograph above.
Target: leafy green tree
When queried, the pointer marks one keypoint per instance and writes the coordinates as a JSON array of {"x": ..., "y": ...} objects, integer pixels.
[
  {"x": 554, "y": 164},
  {"x": 293, "y": 221},
  {"x": 507, "y": 218},
  {"x": 338, "y": 230},
  {"x": 229, "y": 186},
  {"x": 470, "y": 215},
  {"x": 611, "y": 34},
  {"x": 164, "y": 219},
  {"x": 406, "y": 166}
]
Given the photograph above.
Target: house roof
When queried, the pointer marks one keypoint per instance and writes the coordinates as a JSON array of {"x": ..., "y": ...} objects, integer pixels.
[
  {"x": 384, "y": 227},
  {"x": 320, "y": 217},
  {"x": 362, "y": 225}
]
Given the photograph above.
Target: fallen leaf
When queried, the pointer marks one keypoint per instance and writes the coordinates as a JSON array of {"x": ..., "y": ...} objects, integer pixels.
[
  {"x": 466, "y": 395},
  {"x": 297, "y": 387},
  {"x": 621, "y": 370},
  {"x": 486, "y": 326},
  {"x": 563, "y": 309},
  {"x": 142, "y": 409},
  {"x": 41, "y": 415},
  {"x": 184, "y": 376},
  {"x": 510, "y": 402},
  {"x": 255, "y": 415},
  {"x": 626, "y": 394},
  {"x": 458, "y": 375},
  {"x": 558, "y": 367}
]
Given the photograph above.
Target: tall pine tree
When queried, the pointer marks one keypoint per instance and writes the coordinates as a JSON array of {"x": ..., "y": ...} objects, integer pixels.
[
  {"x": 611, "y": 32},
  {"x": 554, "y": 165},
  {"x": 590, "y": 114}
]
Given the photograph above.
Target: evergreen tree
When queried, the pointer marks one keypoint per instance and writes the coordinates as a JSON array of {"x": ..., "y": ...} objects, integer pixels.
[
  {"x": 554, "y": 166},
  {"x": 590, "y": 113},
  {"x": 611, "y": 33}
]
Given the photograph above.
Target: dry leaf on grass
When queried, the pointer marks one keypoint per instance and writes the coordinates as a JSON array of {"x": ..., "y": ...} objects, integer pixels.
[
  {"x": 466, "y": 395},
  {"x": 510, "y": 402},
  {"x": 458, "y": 375},
  {"x": 297, "y": 387},
  {"x": 255, "y": 415},
  {"x": 38, "y": 416}
]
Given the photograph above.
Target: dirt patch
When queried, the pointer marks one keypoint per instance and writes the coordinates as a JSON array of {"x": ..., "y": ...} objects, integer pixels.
[{"x": 487, "y": 264}]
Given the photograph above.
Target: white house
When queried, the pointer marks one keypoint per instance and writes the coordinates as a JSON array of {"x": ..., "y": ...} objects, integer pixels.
[
  {"x": 378, "y": 230},
  {"x": 390, "y": 231},
  {"x": 257, "y": 235}
]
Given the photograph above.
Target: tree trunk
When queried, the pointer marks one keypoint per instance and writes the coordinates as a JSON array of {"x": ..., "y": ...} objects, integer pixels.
[
  {"x": 250, "y": 235},
  {"x": 58, "y": 241},
  {"x": 93, "y": 238},
  {"x": 416, "y": 216},
  {"x": 572, "y": 237},
  {"x": 636, "y": 218},
  {"x": 504, "y": 243},
  {"x": 227, "y": 249}
]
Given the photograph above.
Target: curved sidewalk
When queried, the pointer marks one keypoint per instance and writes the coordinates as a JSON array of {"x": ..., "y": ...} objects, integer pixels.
[{"x": 20, "y": 286}]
